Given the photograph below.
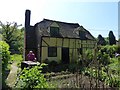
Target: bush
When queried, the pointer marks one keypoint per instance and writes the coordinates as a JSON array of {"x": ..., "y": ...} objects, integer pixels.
[
  {"x": 89, "y": 57},
  {"x": 105, "y": 53},
  {"x": 5, "y": 56},
  {"x": 33, "y": 78},
  {"x": 52, "y": 66},
  {"x": 109, "y": 50},
  {"x": 108, "y": 66}
]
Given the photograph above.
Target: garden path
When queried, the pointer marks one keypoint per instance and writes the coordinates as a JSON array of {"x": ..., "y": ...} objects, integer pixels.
[{"x": 11, "y": 79}]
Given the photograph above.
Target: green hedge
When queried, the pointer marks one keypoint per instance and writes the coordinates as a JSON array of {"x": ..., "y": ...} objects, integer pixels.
[
  {"x": 5, "y": 57},
  {"x": 5, "y": 54}
]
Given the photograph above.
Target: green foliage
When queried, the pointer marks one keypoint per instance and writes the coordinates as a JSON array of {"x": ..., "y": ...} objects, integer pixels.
[
  {"x": 101, "y": 40},
  {"x": 16, "y": 57},
  {"x": 107, "y": 40},
  {"x": 12, "y": 35},
  {"x": 103, "y": 59},
  {"x": 109, "y": 79},
  {"x": 72, "y": 67},
  {"x": 108, "y": 69},
  {"x": 33, "y": 78},
  {"x": 118, "y": 49},
  {"x": 110, "y": 50},
  {"x": 112, "y": 39},
  {"x": 114, "y": 66},
  {"x": 1, "y": 36},
  {"x": 88, "y": 56},
  {"x": 5, "y": 56}
]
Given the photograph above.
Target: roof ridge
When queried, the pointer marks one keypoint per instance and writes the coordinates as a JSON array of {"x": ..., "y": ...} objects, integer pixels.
[{"x": 59, "y": 21}]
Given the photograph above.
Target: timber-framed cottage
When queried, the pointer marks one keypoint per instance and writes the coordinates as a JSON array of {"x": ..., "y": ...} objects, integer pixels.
[{"x": 56, "y": 41}]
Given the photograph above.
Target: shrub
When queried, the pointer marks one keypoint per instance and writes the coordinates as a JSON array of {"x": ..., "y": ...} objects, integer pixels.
[
  {"x": 89, "y": 57},
  {"x": 33, "y": 78},
  {"x": 109, "y": 50},
  {"x": 52, "y": 65},
  {"x": 5, "y": 56},
  {"x": 72, "y": 67}
]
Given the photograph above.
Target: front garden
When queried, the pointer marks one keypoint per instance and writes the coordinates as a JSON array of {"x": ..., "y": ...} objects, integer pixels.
[{"x": 98, "y": 70}]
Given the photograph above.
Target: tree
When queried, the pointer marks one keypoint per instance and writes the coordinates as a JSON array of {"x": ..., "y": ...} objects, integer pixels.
[
  {"x": 112, "y": 39},
  {"x": 11, "y": 34},
  {"x": 107, "y": 40},
  {"x": 101, "y": 40},
  {"x": 119, "y": 42}
]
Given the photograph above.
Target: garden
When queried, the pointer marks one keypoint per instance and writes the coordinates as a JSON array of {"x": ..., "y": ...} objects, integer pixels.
[{"x": 100, "y": 68}]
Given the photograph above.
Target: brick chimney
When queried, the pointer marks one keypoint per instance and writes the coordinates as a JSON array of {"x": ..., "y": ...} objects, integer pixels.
[
  {"x": 27, "y": 19},
  {"x": 29, "y": 36},
  {"x": 26, "y": 33}
]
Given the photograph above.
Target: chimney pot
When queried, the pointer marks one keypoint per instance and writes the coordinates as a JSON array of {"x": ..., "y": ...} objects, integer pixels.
[{"x": 27, "y": 18}]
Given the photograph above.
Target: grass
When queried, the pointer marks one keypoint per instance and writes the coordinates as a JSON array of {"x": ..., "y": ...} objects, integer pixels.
[
  {"x": 16, "y": 57},
  {"x": 14, "y": 62}
]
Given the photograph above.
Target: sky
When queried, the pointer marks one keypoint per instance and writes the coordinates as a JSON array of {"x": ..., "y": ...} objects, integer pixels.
[{"x": 96, "y": 17}]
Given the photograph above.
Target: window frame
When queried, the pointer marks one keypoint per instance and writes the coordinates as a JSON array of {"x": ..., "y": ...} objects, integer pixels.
[
  {"x": 82, "y": 35},
  {"x": 52, "y": 51},
  {"x": 54, "y": 31}
]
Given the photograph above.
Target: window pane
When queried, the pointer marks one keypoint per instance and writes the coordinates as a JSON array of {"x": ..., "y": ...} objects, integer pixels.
[
  {"x": 52, "y": 51},
  {"x": 54, "y": 31},
  {"x": 82, "y": 35}
]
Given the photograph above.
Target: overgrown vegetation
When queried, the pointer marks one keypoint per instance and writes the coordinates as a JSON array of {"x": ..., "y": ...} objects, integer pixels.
[
  {"x": 110, "y": 40},
  {"x": 33, "y": 78},
  {"x": 5, "y": 57},
  {"x": 106, "y": 67},
  {"x": 101, "y": 65},
  {"x": 5, "y": 54},
  {"x": 7, "y": 60},
  {"x": 16, "y": 58},
  {"x": 12, "y": 35}
]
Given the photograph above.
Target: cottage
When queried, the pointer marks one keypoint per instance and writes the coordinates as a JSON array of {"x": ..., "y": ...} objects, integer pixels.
[{"x": 56, "y": 41}]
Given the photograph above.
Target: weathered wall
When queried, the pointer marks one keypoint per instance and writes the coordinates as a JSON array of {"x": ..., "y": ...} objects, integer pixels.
[{"x": 72, "y": 44}]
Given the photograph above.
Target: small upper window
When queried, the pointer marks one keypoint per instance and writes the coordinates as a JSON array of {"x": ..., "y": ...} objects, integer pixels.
[
  {"x": 82, "y": 35},
  {"x": 54, "y": 31}
]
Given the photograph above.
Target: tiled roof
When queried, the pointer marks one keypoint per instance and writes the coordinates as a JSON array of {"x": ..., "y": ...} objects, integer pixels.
[{"x": 68, "y": 30}]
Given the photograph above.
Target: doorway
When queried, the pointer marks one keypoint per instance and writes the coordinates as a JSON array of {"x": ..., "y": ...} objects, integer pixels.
[{"x": 65, "y": 55}]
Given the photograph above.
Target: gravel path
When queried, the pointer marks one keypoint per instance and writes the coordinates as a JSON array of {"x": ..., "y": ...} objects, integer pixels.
[{"x": 11, "y": 79}]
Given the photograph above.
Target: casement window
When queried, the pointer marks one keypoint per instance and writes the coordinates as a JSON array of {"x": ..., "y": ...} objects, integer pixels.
[
  {"x": 52, "y": 51},
  {"x": 54, "y": 31},
  {"x": 82, "y": 35}
]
